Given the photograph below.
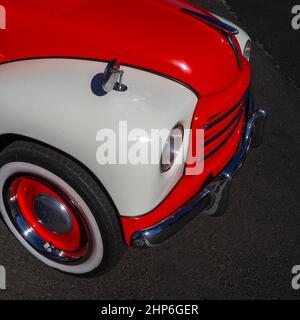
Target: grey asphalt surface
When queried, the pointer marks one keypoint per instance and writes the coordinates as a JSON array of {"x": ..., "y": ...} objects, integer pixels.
[
  {"x": 269, "y": 22},
  {"x": 249, "y": 253}
]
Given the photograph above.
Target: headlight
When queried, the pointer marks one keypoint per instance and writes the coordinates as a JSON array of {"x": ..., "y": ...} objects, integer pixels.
[
  {"x": 171, "y": 148},
  {"x": 247, "y": 50}
]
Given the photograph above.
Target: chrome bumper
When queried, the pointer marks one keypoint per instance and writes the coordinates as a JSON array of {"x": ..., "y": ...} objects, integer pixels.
[{"x": 209, "y": 198}]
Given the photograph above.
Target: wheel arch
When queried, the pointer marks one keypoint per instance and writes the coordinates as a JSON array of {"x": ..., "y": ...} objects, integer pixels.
[{"x": 9, "y": 138}]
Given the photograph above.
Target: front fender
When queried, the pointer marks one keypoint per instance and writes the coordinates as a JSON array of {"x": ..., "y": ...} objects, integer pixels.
[{"x": 51, "y": 100}]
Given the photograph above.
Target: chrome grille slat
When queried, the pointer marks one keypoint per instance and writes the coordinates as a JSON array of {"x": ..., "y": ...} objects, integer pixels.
[
  {"x": 224, "y": 116},
  {"x": 236, "y": 118},
  {"x": 223, "y": 142},
  {"x": 220, "y": 130}
]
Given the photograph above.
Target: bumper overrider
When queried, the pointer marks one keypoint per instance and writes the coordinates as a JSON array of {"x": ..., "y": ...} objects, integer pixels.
[{"x": 214, "y": 196}]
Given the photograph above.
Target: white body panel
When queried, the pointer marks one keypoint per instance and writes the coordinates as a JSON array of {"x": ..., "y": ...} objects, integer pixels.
[
  {"x": 242, "y": 37},
  {"x": 51, "y": 100}
]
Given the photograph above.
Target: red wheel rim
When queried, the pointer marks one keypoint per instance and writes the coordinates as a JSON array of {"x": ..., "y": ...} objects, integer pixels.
[{"x": 68, "y": 237}]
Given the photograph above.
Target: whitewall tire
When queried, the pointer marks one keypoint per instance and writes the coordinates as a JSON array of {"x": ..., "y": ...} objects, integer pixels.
[{"x": 57, "y": 211}]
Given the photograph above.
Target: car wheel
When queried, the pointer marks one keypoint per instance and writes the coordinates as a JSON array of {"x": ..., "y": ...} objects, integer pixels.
[{"x": 57, "y": 210}]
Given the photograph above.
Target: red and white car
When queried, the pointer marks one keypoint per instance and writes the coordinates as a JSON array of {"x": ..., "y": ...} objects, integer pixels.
[{"x": 69, "y": 68}]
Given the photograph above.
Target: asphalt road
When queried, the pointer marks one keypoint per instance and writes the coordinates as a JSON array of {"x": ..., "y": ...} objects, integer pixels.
[
  {"x": 248, "y": 253},
  {"x": 269, "y": 22}
]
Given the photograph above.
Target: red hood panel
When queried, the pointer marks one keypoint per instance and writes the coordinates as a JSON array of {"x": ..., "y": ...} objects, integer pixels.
[{"x": 151, "y": 34}]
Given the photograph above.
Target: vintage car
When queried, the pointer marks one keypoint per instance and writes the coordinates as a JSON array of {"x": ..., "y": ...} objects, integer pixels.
[{"x": 71, "y": 68}]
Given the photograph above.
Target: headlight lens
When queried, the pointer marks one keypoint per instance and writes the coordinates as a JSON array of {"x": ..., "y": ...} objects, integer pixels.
[
  {"x": 247, "y": 50},
  {"x": 172, "y": 148}
]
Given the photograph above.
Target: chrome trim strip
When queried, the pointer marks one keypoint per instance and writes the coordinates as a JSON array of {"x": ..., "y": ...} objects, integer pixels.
[
  {"x": 225, "y": 29},
  {"x": 162, "y": 231},
  {"x": 222, "y": 26},
  {"x": 235, "y": 50}
]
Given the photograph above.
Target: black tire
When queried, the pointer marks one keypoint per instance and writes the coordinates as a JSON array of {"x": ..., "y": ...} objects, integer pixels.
[{"x": 84, "y": 184}]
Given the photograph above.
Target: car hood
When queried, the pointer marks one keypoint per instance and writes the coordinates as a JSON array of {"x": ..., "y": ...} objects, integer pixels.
[{"x": 149, "y": 34}]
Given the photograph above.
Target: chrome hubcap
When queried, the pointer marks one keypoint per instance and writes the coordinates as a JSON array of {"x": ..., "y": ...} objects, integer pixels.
[{"x": 53, "y": 214}]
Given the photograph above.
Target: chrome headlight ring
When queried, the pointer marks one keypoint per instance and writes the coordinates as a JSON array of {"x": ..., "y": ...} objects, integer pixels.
[{"x": 172, "y": 148}]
